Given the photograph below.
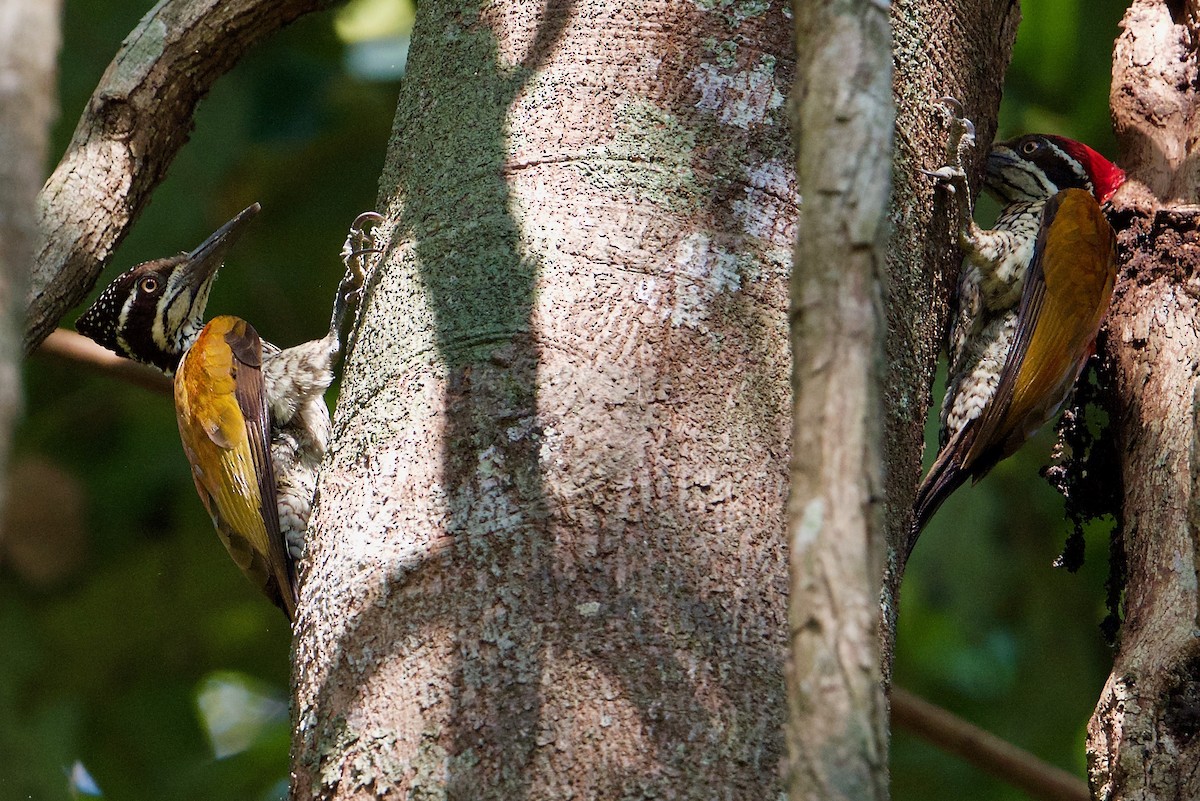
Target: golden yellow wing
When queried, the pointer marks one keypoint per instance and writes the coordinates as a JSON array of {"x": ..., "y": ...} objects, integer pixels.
[
  {"x": 1066, "y": 295},
  {"x": 224, "y": 425}
]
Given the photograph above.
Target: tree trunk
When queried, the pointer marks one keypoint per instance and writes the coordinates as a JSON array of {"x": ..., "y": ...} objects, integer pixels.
[
  {"x": 844, "y": 428},
  {"x": 844, "y": 117},
  {"x": 1143, "y": 741},
  {"x": 548, "y": 559},
  {"x": 29, "y": 38}
]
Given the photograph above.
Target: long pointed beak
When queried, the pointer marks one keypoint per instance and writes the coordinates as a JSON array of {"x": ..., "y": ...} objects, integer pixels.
[
  {"x": 203, "y": 262},
  {"x": 998, "y": 158}
]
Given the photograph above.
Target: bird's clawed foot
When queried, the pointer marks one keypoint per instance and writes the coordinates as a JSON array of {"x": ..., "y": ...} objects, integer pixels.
[
  {"x": 363, "y": 238},
  {"x": 960, "y": 140}
]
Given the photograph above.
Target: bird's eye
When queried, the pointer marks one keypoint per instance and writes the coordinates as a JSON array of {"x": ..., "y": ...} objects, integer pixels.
[
  {"x": 148, "y": 284},
  {"x": 1029, "y": 148}
]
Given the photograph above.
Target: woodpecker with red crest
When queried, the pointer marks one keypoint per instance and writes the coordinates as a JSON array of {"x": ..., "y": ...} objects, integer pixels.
[
  {"x": 1031, "y": 297},
  {"x": 252, "y": 417}
]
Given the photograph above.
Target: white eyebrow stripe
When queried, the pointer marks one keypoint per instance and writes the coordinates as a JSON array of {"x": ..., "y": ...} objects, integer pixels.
[{"x": 124, "y": 316}]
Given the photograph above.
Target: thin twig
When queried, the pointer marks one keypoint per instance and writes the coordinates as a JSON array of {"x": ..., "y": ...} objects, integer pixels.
[
  {"x": 985, "y": 750},
  {"x": 72, "y": 347}
]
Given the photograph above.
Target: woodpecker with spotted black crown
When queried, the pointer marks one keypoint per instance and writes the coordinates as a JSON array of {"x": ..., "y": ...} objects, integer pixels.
[
  {"x": 1031, "y": 297},
  {"x": 252, "y": 417}
]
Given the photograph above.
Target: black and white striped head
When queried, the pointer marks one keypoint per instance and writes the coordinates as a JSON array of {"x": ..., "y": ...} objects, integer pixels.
[
  {"x": 153, "y": 312},
  {"x": 1039, "y": 166}
]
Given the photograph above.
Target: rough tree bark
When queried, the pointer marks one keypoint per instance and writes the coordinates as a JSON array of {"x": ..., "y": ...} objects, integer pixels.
[
  {"x": 29, "y": 39},
  {"x": 1144, "y": 739},
  {"x": 548, "y": 559},
  {"x": 837, "y": 735}
]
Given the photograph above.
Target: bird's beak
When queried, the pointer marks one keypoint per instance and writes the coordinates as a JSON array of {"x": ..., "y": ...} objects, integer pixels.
[
  {"x": 203, "y": 262},
  {"x": 182, "y": 307},
  {"x": 998, "y": 158}
]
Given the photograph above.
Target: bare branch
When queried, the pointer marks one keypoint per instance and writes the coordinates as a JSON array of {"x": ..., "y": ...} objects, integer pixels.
[
  {"x": 72, "y": 347},
  {"x": 136, "y": 121},
  {"x": 985, "y": 750}
]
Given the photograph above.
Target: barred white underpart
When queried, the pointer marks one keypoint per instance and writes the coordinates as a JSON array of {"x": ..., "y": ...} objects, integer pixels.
[
  {"x": 993, "y": 273},
  {"x": 983, "y": 361},
  {"x": 989, "y": 290},
  {"x": 295, "y": 381}
]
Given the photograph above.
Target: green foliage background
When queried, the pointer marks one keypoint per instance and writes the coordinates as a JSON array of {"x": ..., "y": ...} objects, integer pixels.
[{"x": 111, "y": 635}]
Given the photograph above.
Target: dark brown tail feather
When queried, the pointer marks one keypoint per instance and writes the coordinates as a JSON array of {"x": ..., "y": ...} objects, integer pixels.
[
  {"x": 943, "y": 479},
  {"x": 947, "y": 474}
]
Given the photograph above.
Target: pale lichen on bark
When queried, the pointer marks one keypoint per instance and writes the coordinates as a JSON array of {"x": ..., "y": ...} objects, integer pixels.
[
  {"x": 735, "y": 12},
  {"x": 741, "y": 97},
  {"x": 649, "y": 158}
]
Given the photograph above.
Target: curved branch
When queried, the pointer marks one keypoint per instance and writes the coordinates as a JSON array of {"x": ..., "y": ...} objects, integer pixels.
[{"x": 134, "y": 124}]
